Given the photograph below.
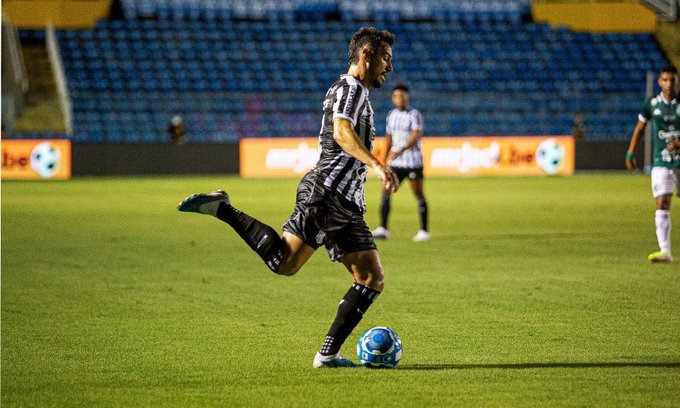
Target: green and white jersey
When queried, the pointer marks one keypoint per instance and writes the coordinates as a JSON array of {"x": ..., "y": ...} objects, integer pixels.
[{"x": 665, "y": 118}]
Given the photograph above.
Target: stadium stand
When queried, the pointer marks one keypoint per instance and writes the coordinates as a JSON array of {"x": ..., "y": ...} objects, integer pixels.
[{"x": 235, "y": 68}]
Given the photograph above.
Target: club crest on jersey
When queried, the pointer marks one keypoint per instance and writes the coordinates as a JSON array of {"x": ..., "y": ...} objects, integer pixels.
[{"x": 320, "y": 237}]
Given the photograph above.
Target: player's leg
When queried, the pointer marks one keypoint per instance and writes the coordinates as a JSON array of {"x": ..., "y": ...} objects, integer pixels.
[
  {"x": 385, "y": 204},
  {"x": 366, "y": 269},
  {"x": 349, "y": 241},
  {"x": 417, "y": 189},
  {"x": 663, "y": 184},
  {"x": 662, "y": 221},
  {"x": 297, "y": 254},
  {"x": 282, "y": 255},
  {"x": 368, "y": 283},
  {"x": 382, "y": 232}
]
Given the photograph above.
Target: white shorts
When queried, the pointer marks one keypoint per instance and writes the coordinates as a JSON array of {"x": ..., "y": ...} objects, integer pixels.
[{"x": 664, "y": 181}]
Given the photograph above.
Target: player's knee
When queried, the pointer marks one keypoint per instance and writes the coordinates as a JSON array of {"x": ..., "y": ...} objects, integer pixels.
[
  {"x": 366, "y": 269},
  {"x": 379, "y": 285},
  {"x": 663, "y": 202},
  {"x": 375, "y": 280},
  {"x": 287, "y": 269}
]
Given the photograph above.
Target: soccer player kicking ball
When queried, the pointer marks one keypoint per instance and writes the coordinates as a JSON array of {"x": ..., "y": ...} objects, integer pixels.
[
  {"x": 330, "y": 197},
  {"x": 663, "y": 111}
]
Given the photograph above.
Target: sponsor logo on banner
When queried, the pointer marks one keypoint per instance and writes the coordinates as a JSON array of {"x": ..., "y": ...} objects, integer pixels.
[
  {"x": 466, "y": 157},
  {"x": 284, "y": 157},
  {"x": 299, "y": 158},
  {"x": 36, "y": 159},
  {"x": 499, "y": 156},
  {"x": 444, "y": 156}
]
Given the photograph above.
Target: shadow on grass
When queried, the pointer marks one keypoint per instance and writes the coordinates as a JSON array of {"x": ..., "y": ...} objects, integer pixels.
[{"x": 528, "y": 366}]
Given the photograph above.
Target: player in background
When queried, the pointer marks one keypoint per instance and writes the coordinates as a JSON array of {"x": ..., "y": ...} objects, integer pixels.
[
  {"x": 177, "y": 130},
  {"x": 663, "y": 111},
  {"x": 403, "y": 134},
  {"x": 331, "y": 201}
]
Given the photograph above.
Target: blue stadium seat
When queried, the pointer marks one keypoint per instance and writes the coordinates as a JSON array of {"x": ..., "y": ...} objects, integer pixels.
[{"x": 208, "y": 60}]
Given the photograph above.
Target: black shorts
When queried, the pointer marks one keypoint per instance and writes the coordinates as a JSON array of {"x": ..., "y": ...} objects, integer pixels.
[
  {"x": 321, "y": 217},
  {"x": 410, "y": 173}
]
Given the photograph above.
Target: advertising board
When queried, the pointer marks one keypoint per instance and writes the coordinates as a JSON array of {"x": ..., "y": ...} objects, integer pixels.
[
  {"x": 443, "y": 156},
  {"x": 24, "y": 159}
]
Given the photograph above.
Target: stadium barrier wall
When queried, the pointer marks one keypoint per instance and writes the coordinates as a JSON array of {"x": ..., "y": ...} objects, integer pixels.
[
  {"x": 604, "y": 155},
  {"x": 35, "y": 14},
  {"x": 154, "y": 159},
  {"x": 223, "y": 158},
  {"x": 595, "y": 16}
]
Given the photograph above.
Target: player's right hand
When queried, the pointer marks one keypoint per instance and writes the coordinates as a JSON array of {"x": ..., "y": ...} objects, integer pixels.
[{"x": 631, "y": 165}]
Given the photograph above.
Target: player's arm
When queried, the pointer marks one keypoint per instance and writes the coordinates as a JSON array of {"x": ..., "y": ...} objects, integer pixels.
[
  {"x": 416, "y": 134},
  {"x": 674, "y": 144},
  {"x": 346, "y": 137},
  {"x": 388, "y": 146},
  {"x": 631, "y": 165}
]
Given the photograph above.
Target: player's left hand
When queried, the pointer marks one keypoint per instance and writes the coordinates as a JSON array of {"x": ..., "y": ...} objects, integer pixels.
[
  {"x": 674, "y": 144},
  {"x": 387, "y": 176}
]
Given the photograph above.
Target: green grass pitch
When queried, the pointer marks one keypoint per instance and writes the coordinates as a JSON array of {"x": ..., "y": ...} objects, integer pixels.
[{"x": 533, "y": 292}]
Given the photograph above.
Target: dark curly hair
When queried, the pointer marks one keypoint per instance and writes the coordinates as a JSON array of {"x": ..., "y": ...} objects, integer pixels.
[
  {"x": 400, "y": 87},
  {"x": 669, "y": 68},
  {"x": 368, "y": 35}
]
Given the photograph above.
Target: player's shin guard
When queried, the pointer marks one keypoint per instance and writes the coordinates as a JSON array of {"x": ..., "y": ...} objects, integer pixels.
[
  {"x": 662, "y": 220},
  {"x": 422, "y": 210},
  {"x": 384, "y": 210},
  {"x": 351, "y": 310},
  {"x": 260, "y": 237}
]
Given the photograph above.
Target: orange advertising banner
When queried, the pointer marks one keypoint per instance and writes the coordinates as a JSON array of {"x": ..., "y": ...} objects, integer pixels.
[
  {"x": 280, "y": 157},
  {"x": 36, "y": 159},
  {"x": 499, "y": 156},
  {"x": 444, "y": 156}
]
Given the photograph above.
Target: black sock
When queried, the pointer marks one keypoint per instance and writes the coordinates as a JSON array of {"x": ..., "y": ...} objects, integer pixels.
[
  {"x": 261, "y": 238},
  {"x": 422, "y": 210},
  {"x": 352, "y": 307},
  {"x": 384, "y": 211}
]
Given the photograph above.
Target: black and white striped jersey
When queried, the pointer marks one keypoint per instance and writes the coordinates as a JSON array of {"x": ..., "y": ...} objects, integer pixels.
[
  {"x": 400, "y": 124},
  {"x": 340, "y": 172}
]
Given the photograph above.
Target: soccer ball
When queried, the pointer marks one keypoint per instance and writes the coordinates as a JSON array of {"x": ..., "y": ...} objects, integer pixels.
[
  {"x": 379, "y": 347},
  {"x": 45, "y": 159},
  {"x": 549, "y": 156}
]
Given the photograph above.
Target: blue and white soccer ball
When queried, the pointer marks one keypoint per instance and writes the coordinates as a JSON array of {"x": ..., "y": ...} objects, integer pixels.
[
  {"x": 379, "y": 347},
  {"x": 45, "y": 159},
  {"x": 550, "y": 156}
]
